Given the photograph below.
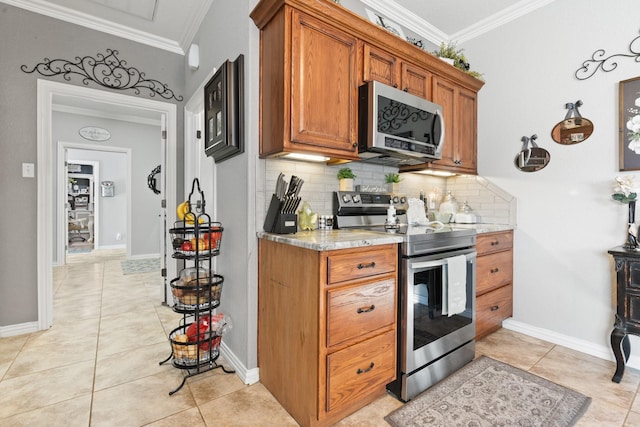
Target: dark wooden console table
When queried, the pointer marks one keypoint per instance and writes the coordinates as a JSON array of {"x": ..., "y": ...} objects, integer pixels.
[{"x": 627, "y": 320}]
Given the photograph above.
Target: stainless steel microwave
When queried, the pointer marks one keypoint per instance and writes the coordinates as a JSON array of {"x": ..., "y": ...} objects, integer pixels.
[{"x": 396, "y": 127}]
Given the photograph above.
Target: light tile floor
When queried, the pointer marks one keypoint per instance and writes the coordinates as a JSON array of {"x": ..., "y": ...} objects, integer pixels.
[{"x": 98, "y": 365}]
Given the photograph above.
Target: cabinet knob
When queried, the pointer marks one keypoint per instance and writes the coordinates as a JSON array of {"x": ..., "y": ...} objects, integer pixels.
[
  {"x": 395, "y": 85},
  {"x": 362, "y": 371},
  {"x": 406, "y": 89},
  {"x": 366, "y": 309},
  {"x": 370, "y": 265},
  {"x": 354, "y": 145},
  {"x": 495, "y": 242},
  {"x": 495, "y": 308},
  {"x": 495, "y": 270}
]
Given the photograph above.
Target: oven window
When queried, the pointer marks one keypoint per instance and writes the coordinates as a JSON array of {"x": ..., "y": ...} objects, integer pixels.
[{"x": 429, "y": 324}]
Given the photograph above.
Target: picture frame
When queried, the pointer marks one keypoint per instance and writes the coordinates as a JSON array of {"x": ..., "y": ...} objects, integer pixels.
[
  {"x": 629, "y": 124},
  {"x": 224, "y": 111}
]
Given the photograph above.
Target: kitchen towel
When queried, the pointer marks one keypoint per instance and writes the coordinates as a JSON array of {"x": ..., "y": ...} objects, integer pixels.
[{"x": 456, "y": 284}]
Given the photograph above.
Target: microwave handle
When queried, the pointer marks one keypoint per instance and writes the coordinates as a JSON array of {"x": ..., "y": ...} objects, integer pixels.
[{"x": 441, "y": 119}]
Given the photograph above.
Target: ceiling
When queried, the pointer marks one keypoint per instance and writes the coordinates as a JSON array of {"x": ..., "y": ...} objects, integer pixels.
[{"x": 172, "y": 24}]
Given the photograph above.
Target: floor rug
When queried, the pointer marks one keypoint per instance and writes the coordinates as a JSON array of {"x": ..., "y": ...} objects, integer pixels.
[
  {"x": 135, "y": 266},
  {"x": 490, "y": 393}
]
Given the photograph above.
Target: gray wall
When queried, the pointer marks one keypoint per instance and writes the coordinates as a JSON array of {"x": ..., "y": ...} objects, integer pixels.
[
  {"x": 144, "y": 142},
  {"x": 35, "y": 37},
  {"x": 563, "y": 276},
  {"x": 226, "y": 32}
]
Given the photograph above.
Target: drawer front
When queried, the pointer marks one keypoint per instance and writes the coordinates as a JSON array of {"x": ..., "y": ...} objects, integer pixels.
[
  {"x": 493, "y": 271},
  {"x": 359, "y": 370},
  {"x": 494, "y": 242},
  {"x": 357, "y": 310},
  {"x": 492, "y": 308},
  {"x": 356, "y": 265}
]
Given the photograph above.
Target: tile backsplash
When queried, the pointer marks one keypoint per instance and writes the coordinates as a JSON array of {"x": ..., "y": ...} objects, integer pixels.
[{"x": 489, "y": 203}]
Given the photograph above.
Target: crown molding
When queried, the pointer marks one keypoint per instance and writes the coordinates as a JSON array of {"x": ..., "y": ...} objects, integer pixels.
[
  {"x": 413, "y": 22},
  {"x": 75, "y": 17},
  {"x": 498, "y": 19},
  {"x": 192, "y": 27},
  {"x": 408, "y": 19}
]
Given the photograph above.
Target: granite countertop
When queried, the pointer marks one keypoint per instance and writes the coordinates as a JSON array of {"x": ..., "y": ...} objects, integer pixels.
[
  {"x": 487, "y": 228},
  {"x": 328, "y": 240}
]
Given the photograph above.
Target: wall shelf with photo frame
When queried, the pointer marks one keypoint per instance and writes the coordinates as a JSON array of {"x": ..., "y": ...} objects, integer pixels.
[{"x": 224, "y": 111}]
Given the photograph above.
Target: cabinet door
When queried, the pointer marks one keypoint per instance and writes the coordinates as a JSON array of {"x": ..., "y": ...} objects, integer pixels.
[
  {"x": 493, "y": 271},
  {"x": 466, "y": 128},
  {"x": 354, "y": 372},
  {"x": 357, "y": 310},
  {"x": 380, "y": 66},
  {"x": 444, "y": 94},
  {"x": 323, "y": 87},
  {"x": 416, "y": 80},
  {"x": 492, "y": 308},
  {"x": 460, "y": 114}
]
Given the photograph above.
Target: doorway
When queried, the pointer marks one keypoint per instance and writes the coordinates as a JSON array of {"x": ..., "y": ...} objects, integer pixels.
[
  {"x": 81, "y": 204},
  {"x": 47, "y": 90}
]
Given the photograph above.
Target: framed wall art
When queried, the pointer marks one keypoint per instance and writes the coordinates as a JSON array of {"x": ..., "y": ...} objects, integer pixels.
[
  {"x": 224, "y": 111},
  {"x": 629, "y": 124}
]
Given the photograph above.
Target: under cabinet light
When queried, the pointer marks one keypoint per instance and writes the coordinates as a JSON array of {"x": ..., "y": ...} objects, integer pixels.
[
  {"x": 305, "y": 157},
  {"x": 436, "y": 173}
]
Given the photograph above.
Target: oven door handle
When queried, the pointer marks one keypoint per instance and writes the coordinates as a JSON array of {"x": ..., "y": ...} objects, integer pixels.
[{"x": 428, "y": 264}]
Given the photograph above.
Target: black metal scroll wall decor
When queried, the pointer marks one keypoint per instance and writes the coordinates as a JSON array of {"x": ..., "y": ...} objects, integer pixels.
[
  {"x": 598, "y": 60},
  {"x": 106, "y": 70}
]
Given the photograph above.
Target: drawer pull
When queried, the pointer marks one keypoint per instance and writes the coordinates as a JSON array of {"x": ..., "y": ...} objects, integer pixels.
[
  {"x": 495, "y": 308},
  {"x": 366, "y": 309},
  {"x": 362, "y": 371},
  {"x": 495, "y": 270},
  {"x": 370, "y": 265},
  {"x": 495, "y": 242}
]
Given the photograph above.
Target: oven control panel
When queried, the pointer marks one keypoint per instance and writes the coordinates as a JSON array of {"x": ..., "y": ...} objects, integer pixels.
[{"x": 361, "y": 203}]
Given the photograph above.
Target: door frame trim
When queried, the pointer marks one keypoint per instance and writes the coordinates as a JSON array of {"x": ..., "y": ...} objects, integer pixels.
[{"x": 45, "y": 204}]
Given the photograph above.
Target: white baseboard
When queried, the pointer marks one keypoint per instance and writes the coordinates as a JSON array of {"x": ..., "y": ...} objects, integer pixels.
[
  {"x": 19, "y": 329},
  {"x": 583, "y": 346},
  {"x": 248, "y": 376},
  {"x": 124, "y": 246}
]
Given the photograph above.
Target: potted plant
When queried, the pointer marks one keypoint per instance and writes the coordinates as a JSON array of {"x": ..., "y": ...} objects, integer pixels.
[
  {"x": 453, "y": 55},
  {"x": 346, "y": 176},
  {"x": 393, "y": 182}
]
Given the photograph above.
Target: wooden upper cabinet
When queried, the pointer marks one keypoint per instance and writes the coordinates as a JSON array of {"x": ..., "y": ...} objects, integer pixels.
[
  {"x": 313, "y": 57},
  {"x": 308, "y": 84},
  {"x": 384, "y": 67},
  {"x": 323, "y": 86},
  {"x": 416, "y": 80},
  {"x": 459, "y": 109},
  {"x": 380, "y": 66}
]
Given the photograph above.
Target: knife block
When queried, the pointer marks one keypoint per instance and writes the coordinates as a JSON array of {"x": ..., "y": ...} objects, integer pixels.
[
  {"x": 278, "y": 222},
  {"x": 286, "y": 223}
]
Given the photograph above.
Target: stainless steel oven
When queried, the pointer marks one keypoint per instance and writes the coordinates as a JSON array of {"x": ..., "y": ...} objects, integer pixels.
[{"x": 433, "y": 341}]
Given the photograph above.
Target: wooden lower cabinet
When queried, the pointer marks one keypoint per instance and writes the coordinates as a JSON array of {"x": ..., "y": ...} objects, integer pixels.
[
  {"x": 494, "y": 281},
  {"x": 326, "y": 328}
]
